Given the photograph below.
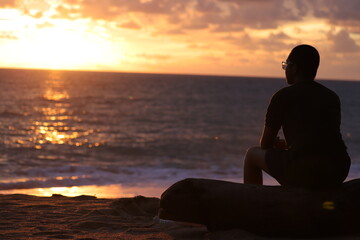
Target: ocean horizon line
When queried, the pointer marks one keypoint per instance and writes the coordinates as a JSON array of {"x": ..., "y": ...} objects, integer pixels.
[{"x": 167, "y": 73}]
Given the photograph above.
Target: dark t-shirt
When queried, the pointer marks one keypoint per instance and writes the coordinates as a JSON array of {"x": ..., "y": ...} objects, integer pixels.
[{"x": 310, "y": 116}]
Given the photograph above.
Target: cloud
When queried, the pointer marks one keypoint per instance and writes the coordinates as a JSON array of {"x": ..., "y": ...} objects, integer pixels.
[
  {"x": 110, "y": 9},
  {"x": 154, "y": 56},
  {"x": 336, "y": 10},
  {"x": 259, "y": 14},
  {"x": 88, "y": 9},
  {"x": 275, "y": 42},
  {"x": 8, "y": 35},
  {"x": 342, "y": 13},
  {"x": 220, "y": 15},
  {"x": 45, "y": 25},
  {"x": 175, "y": 31},
  {"x": 207, "y": 7},
  {"x": 343, "y": 43},
  {"x": 67, "y": 12},
  {"x": 235, "y": 16},
  {"x": 34, "y": 8},
  {"x": 190, "y": 15},
  {"x": 129, "y": 25},
  {"x": 272, "y": 42},
  {"x": 212, "y": 58},
  {"x": 7, "y": 3}
]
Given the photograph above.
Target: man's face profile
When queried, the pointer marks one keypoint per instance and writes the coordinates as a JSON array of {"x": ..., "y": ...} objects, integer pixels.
[{"x": 289, "y": 72}]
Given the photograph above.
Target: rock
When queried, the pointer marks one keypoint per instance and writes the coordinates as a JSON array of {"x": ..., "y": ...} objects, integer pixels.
[{"x": 265, "y": 210}]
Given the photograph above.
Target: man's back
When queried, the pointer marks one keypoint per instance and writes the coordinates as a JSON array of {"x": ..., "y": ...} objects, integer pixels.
[{"x": 310, "y": 116}]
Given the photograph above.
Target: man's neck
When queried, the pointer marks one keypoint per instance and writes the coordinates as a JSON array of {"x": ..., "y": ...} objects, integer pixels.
[{"x": 300, "y": 79}]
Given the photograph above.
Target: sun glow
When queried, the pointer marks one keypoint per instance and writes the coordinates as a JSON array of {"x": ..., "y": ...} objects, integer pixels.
[
  {"x": 56, "y": 43},
  {"x": 121, "y": 36},
  {"x": 59, "y": 48}
]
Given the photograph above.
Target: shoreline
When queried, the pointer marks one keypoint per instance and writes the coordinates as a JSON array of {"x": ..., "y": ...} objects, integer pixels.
[
  {"x": 111, "y": 191},
  {"x": 149, "y": 189},
  {"x": 114, "y": 191}
]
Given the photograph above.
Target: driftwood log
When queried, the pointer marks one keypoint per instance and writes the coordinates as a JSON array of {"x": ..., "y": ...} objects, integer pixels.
[{"x": 265, "y": 210}]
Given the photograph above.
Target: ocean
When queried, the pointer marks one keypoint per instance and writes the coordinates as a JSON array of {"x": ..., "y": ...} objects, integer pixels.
[{"x": 123, "y": 134}]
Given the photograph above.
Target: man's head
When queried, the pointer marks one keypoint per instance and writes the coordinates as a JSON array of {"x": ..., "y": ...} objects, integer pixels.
[{"x": 303, "y": 62}]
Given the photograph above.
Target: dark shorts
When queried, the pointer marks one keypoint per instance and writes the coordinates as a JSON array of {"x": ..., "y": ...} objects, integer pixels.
[{"x": 309, "y": 171}]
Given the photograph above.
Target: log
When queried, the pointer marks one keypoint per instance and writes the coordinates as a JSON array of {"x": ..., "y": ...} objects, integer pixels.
[{"x": 265, "y": 210}]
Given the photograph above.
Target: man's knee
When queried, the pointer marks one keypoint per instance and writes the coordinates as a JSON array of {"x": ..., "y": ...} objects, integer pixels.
[
  {"x": 252, "y": 152},
  {"x": 255, "y": 156}
]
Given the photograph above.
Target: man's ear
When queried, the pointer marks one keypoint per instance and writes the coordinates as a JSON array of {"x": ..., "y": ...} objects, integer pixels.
[{"x": 294, "y": 68}]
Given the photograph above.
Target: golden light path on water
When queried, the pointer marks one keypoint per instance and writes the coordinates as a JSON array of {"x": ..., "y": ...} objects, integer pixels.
[
  {"x": 56, "y": 124},
  {"x": 53, "y": 127}
]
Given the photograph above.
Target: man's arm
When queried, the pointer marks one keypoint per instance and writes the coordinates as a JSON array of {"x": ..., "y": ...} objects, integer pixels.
[{"x": 268, "y": 137}]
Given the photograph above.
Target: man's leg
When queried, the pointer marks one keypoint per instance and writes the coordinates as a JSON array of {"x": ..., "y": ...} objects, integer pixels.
[{"x": 254, "y": 163}]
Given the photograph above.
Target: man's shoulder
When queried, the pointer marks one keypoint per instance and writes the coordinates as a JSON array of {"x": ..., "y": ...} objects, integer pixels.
[
  {"x": 307, "y": 90},
  {"x": 321, "y": 91},
  {"x": 284, "y": 91},
  {"x": 307, "y": 87},
  {"x": 326, "y": 89}
]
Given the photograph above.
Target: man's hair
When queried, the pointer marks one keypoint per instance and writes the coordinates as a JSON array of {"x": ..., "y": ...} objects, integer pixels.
[{"x": 307, "y": 60}]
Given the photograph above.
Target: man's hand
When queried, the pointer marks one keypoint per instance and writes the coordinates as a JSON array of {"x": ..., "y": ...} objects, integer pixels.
[{"x": 280, "y": 143}]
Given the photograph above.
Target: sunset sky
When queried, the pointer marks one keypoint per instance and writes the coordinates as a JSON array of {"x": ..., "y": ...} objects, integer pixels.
[{"x": 223, "y": 37}]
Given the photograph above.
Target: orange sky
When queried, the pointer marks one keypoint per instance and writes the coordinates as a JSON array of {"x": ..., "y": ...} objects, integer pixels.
[{"x": 226, "y": 37}]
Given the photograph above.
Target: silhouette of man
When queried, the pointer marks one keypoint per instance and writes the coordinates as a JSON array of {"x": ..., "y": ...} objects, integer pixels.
[{"x": 313, "y": 154}]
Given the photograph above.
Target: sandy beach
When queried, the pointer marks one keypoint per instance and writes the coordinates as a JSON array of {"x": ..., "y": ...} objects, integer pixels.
[
  {"x": 91, "y": 218},
  {"x": 86, "y": 218}
]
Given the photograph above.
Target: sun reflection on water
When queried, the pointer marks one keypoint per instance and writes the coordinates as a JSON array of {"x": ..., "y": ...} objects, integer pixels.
[
  {"x": 58, "y": 122},
  {"x": 56, "y": 114},
  {"x": 53, "y": 119},
  {"x": 53, "y": 95}
]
